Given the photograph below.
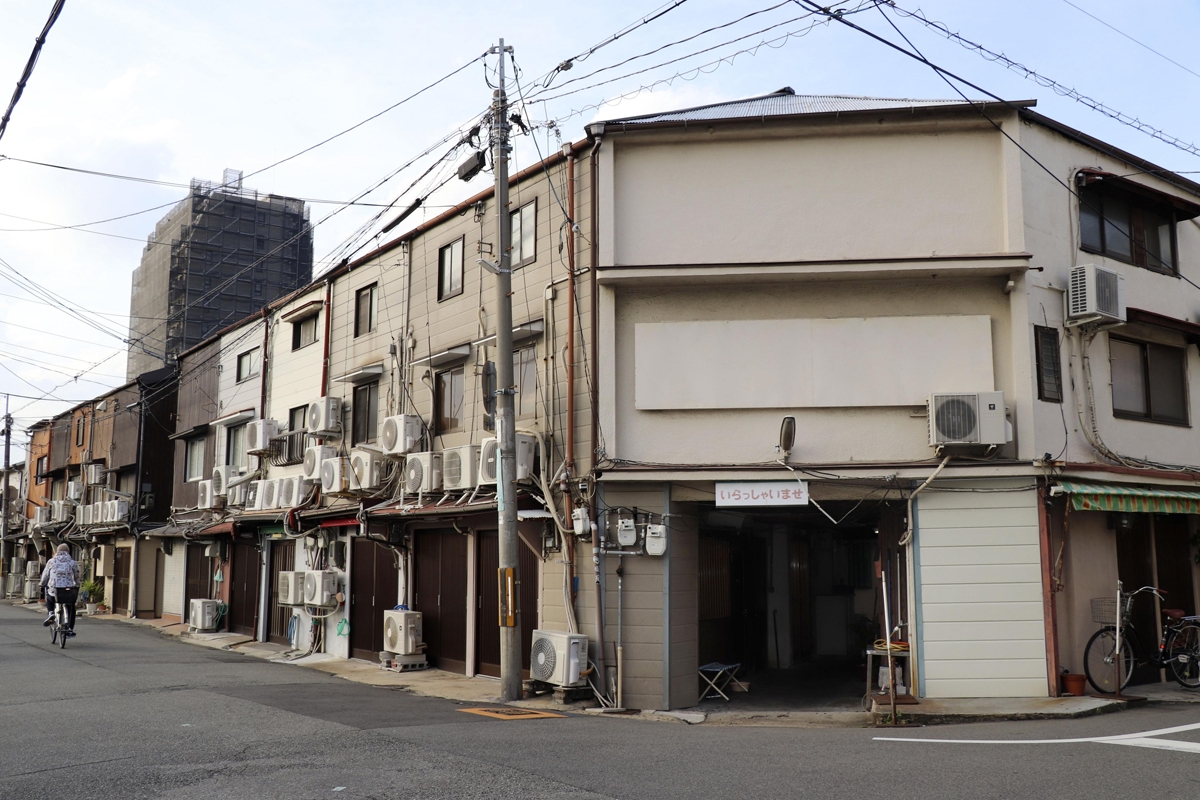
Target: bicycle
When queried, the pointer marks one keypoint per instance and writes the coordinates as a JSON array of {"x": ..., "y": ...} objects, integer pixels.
[
  {"x": 59, "y": 632},
  {"x": 1178, "y": 650}
]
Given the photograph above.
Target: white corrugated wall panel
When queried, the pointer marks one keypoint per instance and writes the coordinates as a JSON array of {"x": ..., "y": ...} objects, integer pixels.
[
  {"x": 173, "y": 577},
  {"x": 982, "y": 630}
]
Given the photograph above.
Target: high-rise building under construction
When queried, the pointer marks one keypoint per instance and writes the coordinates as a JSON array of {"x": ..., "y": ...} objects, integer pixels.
[{"x": 218, "y": 256}]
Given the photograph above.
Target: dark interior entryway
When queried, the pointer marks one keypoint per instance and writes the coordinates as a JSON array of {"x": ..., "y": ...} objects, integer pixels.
[
  {"x": 487, "y": 603},
  {"x": 243, "y": 588},
  {"x": 375, "y": 585},
  {"x": 283, "y": 559},
  {"x": 440, "y": 594},
  {"x": 121, "y": 566},
  {"x": 198, "y": 578}
]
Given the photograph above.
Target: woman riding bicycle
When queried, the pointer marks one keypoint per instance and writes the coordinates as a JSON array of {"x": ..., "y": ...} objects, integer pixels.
[{"x": 61, "y": 579}]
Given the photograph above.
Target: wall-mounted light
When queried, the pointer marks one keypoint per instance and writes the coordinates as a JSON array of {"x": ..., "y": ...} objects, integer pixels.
[{"x": 787, "y": 436}]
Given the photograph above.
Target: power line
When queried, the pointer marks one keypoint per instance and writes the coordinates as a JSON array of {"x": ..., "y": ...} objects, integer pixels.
[
  {"x": 29, "y": 65},
  {"x": 1130, "y": 38}
]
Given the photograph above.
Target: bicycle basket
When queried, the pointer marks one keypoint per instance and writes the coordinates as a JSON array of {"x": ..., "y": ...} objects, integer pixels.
[{"x": 1104, "y": 610}]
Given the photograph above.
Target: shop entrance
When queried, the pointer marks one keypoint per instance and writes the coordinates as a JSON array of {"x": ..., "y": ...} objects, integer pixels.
[
  {"x": 797, "y": 600},
  {"x": 440, "y": 594},
  {"x": 243, "y": 589}
]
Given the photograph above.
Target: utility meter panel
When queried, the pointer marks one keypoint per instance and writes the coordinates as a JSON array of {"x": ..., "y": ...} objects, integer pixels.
[
  {"x": 656, "y": 540},
  {"x": 626, "y": 532}
]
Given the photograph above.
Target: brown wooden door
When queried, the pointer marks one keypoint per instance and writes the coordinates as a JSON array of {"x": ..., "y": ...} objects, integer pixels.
[
  {"x": 374, "y": 586},
  {"x": 441, "y": 596},
  {"x": 487, "y": 603},
  {"x": 283, "y": 559},
  {"x": 120, "y": 597},
  {"x": 197, "y": 578},
  {"x": 243, "y": 589}
]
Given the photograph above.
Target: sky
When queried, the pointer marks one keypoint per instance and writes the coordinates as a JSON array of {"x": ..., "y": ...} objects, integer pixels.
[{"x": 176, "y": 91}]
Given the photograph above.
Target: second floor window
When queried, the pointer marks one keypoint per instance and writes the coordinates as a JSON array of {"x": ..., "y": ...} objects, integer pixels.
[
  {"x": 193, "y": 466},
  {"x": 365, "y": 413},
  {"x": 448, "y": 400},
  {"x": 450, "y": 270},
  {"x": 1127, "y": 227},
  {"x": 247, "y": 365},
  {"x": 364, "y": 310},
  {"x": 40, "y": 475},
  {"x": 1149, "y": 381},
  {"x": 79, "y": 426},
  {"x": 235, "y": 446},
  {"x": 297, "y": 422},
  {"x": 524, "y": 235},
  {"x": 525, "y": 380},
  {"x": 304, "y": 331}
]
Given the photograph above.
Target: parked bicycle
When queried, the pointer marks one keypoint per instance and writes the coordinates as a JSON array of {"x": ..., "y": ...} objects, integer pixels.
[{"x": 1178, "y": 650}]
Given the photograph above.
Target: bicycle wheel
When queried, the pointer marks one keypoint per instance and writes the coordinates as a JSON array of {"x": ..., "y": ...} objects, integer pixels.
[
  {"x": 54, "y": 633},
  {"x": 1099, "y": 660},
  {"x": 1183, "y": 654},
  {"x": 62, "y": 638}
]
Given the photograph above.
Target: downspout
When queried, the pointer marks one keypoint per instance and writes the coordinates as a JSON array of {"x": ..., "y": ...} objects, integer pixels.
[
  {"x": 137, "y": 504},
  {"x": 602, "y": 676},
  {"x": 262, "y": 369},
  {"x": 325, "y": 346},
  {"x": 569, "y": 544}
]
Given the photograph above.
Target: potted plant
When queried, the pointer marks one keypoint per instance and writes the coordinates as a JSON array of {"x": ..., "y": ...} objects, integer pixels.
[{"x": 93, "y": 594}]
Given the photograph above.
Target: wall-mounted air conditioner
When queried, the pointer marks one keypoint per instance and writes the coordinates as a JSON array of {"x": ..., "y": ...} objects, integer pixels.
[
  {"x": 85, "y": 514},
  {"x": 968, "y": 418},
  {"x": 460, "y": 467},
  {"x": 1096, "y": 293},
  {"x": 401, "y": 434},
  {"x": 221, "y": 476},
  {"x": 95, "y": 474},
  {"x": 558, "y": 658},
  {"x": 202, "y": 615},
  {"x": 289, "y": 588},
  {"x": 365, "y": 467},
  {"x": 259, "y": 434},
  {"x": 489, "y": 458},
  {"x": 402, "y": 632},
  {"x": 254, "y": 496},
  {"x": 116, "y": 510},
  {"x": 291, "y": 492},
  {"x": 320, "y": 588},
  {"x": 97, "y": 512},
  {"x": 61, "y": 510},
  {"x": 324, "y": 417},
  {"x": 237, "y": 495},
  {"x": 268, "y": 494},
  {"x": 423, "y": 473},
  {"x": 205, "y": 499},
  {"x": 42, "y": 516},
  {"x": 334, "y": 475},
  {"x": 314, "y": 456},
  {"x": 75, "y": 490}
]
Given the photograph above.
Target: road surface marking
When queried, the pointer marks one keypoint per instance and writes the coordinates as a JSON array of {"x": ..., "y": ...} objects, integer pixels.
[
  {"x": 1161, "y": 744},
  {"x": 1118, "y": 739}
]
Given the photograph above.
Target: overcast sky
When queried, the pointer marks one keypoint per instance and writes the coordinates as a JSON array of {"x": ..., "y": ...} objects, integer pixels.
[{"x": 175, "y": 91}]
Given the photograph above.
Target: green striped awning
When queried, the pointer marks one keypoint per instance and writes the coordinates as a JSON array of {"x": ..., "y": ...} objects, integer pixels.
[{"x": 1111, "y": 497}]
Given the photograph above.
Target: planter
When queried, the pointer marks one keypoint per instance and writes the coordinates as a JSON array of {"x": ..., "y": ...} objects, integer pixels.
[
  {"x": 91, "y": 608},
  {"x": 1074, "y": 684}
]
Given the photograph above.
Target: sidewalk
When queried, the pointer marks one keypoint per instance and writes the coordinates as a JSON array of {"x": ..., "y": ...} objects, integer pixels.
[{"x": 452, "y": 686}]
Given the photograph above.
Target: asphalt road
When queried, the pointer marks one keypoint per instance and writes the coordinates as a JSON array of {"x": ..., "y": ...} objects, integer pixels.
[{"x": 125, "y": 712}]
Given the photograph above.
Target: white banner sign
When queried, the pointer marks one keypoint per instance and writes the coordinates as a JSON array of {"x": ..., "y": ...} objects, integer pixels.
[{"x": 762, "y": 493}]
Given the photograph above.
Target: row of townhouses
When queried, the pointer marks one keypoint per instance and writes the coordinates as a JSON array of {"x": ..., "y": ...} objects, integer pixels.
[{"x": 780, "y": 364}]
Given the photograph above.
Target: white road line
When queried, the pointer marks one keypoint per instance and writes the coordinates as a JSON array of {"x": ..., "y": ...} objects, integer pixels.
[
  {"x": 1161, "y": 744},
  {"x": 1112, "y": 739}
]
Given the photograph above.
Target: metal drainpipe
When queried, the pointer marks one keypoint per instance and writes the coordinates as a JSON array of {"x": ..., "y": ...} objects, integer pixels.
[
  {"x": 602, "y": 675},
  {"x": 137, "y": 504},
  {"x": 569, "y": 545},
  {"x": 325, "y": 359}
]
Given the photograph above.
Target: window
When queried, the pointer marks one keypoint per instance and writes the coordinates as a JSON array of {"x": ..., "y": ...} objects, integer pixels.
[
  {"x": 42, "y": 463},
  {"x": 364, "y": 310},
  {"x": 235, "y": 446},
  {"x": 297, "y": 422},
  {"x": 365, "y": 423},
  {"x": 524, "y": 235},
  {"x": 1049, "y": 364},
  {"x": 247, "y": 365},
  {"x": 193, "y": 467},
  {"x": 1149, "y": 381},
  {"x": 450, "y": 270},
  {"x": 260, "y": 243},
  {"x": 448, "y": 400},
  {"x": 79, "y": 426},
  {"x": 1127, "y": 227},
  {"x": 525, "y": 380},
  {"x": 304, "y": 331}
]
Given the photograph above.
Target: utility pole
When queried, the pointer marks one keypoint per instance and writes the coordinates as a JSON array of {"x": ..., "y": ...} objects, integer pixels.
[
  {"x": 4, "y": 562},
  {"x": 506, "y": 500}
]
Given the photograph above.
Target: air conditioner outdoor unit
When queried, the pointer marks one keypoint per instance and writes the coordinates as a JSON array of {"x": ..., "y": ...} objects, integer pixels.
[
  {"x": 314, "y": 456},
  {"x": 60, "y": 510},
  {"x": 290, "y": 492},
  {"x": 254, "y": 495},
  {"x": 205, "y": 499},
  {"x": 33, "y": 588},
  {"x": 289, "y": 588},
  {"x": 85, "y": 514},
  {"x": 334, "y": 475},
  {"x": 95, "y": 474},
  {"x": 558, "y": 658},
  {"x": 116, "y": 510},
  {"x": 489, "y": 458},
  {"x": 237, "y": 495},
  {"x": 324, "y": 416},
  {"x": 259, "y": 434},
  {"x": 320, "y": 588},
  {"x": 402, "y": 633},
  {"x": 41, "y": 516},
  {"x": 268, "y": 494},
  {"x": 401, "y": 434},
  {"x": 221, "y": 476},
  {"x": 75, "y": 490},
  {"x": 1094, "y": 292},
  {"x": 202, "y": 615},
  {"x": 968, "y": 418},
  {"x": 365, "y": 468},
  {"x": 16, "y": 565},
  {"x": 460, "y": 467},
  {"x": 423, "y": 473}
]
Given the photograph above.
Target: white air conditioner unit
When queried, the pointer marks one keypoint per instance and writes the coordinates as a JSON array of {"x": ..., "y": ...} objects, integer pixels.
[
  {"x": 202, "y": 615},
  {"x": 290, "y": 493},
  {"x": 61, "y": 510},
  {"x": 401, "y": 434},
  {"x": 558, "y": 658},
  {"x": 268, "y": 494},
  {"x": 289, "y": 588},
  {"x": 75, "y": 490},
  {"x": 335, "y": 475},
  {"x": 402, "y": 633},
  {"x": 968, "y": 418},
  {"x": 320, "y": 588},
  {"x": 221, "y": 476},
  {"x": 33, "y": 569},
  {"x": 259, "y": 434},
  {"x": 423, "y": 473},
  {"x": 205, "y": 499},
  {"x": 324, "y": 416},
  {"x": 95, "y": 474},
  {"x": 1096, "y": 293},
  {"x": 489, "y": 458},
  {"x": 314, "y": 456},
  {"x": 41, "y": 516},
  {"x": 85, "y": 515},
  {"x": 365, "y": 468},
  {"x": 237, "y": 495},
  {"x": 97, "y": 512},
  {"x": 115, "y": 510},
  {"x": 460, "y": 467},
  {"x": 254, "y": 495}
]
